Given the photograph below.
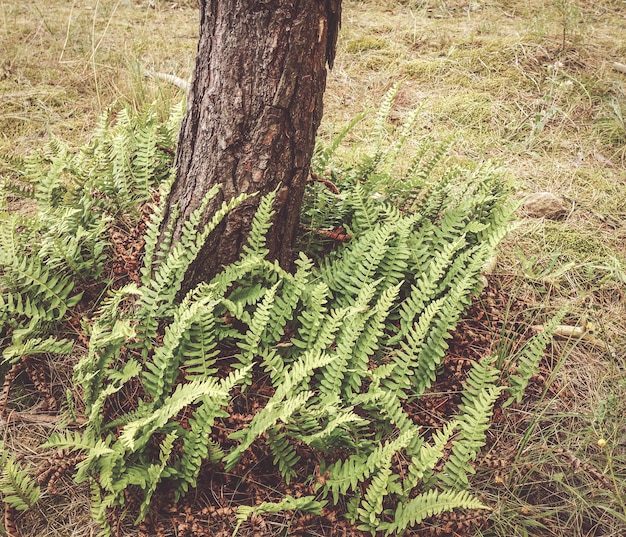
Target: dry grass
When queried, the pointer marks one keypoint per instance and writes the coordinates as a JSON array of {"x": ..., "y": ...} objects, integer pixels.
[{"x": 526, "y": 82}]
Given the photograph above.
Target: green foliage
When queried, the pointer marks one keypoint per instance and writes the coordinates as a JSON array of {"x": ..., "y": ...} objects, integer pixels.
[
  {"x": 527, "y": 362},
  {"x": 478, "y": 398},
  {"x": 333, "y": 353},
  {"x": 427, "y": 504},
  {"x": 74, "y": 198},
  {"x": 306, "y": 504},
  {"x": 18, "y": 489}
]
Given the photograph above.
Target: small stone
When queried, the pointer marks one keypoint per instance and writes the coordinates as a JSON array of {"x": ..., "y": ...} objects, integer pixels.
[{"x": 545, "y": 205}]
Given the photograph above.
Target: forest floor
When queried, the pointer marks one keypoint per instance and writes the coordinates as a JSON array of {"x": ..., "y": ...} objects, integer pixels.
[{"x": 538, "y": 86}]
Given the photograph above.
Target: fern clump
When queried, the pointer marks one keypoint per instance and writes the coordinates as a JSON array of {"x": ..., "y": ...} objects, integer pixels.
[
  {"x": 342, "y": 344},
  {"x": 330, "y": 355},
  {"x": 48, "y": 257},
  {"x": 18, "y": 488}
]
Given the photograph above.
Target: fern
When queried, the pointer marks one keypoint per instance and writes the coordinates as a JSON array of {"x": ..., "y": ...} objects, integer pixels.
[
  {"x": 136, "y": 434},
  {"x": 260, "y": 226},
  {"x": 37, "y": 345},
  {"x": 530, "y": 356},
  {"x": 285, "y": 456},
  {"x": 337, "y": 348},
  {"x": 346, "y": 475},
  {"x": 272, "y": 413},
  {"x": 478, "y": 398},
  {"x": 306, "y": 504},
  {"x": 18, "y": 489},
  {"x": 433, "y": 502}
]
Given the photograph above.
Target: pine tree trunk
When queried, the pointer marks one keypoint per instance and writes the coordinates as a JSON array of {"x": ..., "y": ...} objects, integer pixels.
[{"x": 254, "y": 106}]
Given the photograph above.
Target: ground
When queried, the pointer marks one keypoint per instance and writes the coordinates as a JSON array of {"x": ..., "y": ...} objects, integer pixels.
[{"x": 532, "y": 84}]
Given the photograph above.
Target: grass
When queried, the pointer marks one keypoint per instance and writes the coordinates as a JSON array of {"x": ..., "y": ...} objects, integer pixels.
[{"x": 526, "y": 82}]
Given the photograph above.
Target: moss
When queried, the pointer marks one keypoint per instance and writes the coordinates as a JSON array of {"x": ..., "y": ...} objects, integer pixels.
[
  {"x": 365, "y": 43},
  {"x": 420, "y": 69},
  {"x": 574, "y": 244}
]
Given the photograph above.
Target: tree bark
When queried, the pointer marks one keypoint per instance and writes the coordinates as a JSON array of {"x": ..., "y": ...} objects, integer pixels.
[{"x": 254, "y": 106}]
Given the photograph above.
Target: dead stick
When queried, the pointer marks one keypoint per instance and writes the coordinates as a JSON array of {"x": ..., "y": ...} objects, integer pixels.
[{"x": 621, "y": 67}]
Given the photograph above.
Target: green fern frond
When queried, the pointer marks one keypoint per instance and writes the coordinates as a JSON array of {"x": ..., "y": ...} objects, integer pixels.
[
  {"x": 144, "y": 161},
  {"x": 406, "y": 357},
  {"x": 306, "y": 504},
  {"x": 337, "y": 429},
  {"x": 358, "y": 264},
  {"x": 426, "y": 287},
  {"x": 151, "y": 236},
  {"x": 53, "y": 290},
  {"x": 154, "y": 473},
  {"x": 457, "y": 299},
  {"x": 383, "y": 112},
  {"x": 252, "y": 339},
  {"x": 37, "y": 345},
  {"x": 348, "y": 474},
  {"x": 313, "y": 317},
  {"x": 104, "y": 346},
  {"x": 136, "y": 434},
  {"x": 530, "y": 356},
  {"x": 426, "y": 457},
  {"x": 433, "y": 502},
  {"x": 331, "y": 379},
  {"x": 323, "y": 154},
  {"x": 368, "y": 341},
  {"x": 261, "y": 223},
  {"x": 274, "y": 411},
  {"x": 366, "y": 211},
  {"x": 294, "y": 289},
  {"x": 18, "y": 488},
  {"x": 285, "y": 455},
  {"x": 372, "y": 504},
  {"x": 162, "y": 370},
  {"x": 197, "y": 445},
  {"x": 478, "y": 399}
]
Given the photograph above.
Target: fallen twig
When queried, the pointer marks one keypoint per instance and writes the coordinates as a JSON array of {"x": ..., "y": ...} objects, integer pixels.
[
  {"x": 621, "y": 67},
  {"x": 583, "y": 333}
]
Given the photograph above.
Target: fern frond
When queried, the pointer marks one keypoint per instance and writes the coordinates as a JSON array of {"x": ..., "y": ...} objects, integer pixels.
[
  {"x": 367, "y": 343},
  {"x": 153, "y": 474},
  {"x": 53, "y": 289},
  {"x": 294, "y": 289},
  {"x": 358, "y": 265},
  {"x": 306, "y": 504},
  {"x": 478, "y": 399},
  {"x": 383, "y": 112},
  {"x": 274, "y": 411},
  {"x": 433, "y": 502},
  {"x": 153, "y": 227},
  {"x": 366, "y": 212},
  {"x": 18, "y": 488},
  {"x": 261, "y": 223},
  {"x": 313, "y": 317},
  {"x": 285, "y": 455},
  {"x": 530, "y": 356},
  {"x": 372, "y": 504},
  {"x": 136, "y": 434},
  {"x": 348, "y": 474},
  {"x": 37, "y": 345},
  {"x": 252, "y": 339},
  {"x": 331, "y": 379},
  {"x": 144, "y": 161},
  {"x": 425, "y": 288},
  {"x": 197, "y": 444},
  {"x": 162, "y": 371},
  {"x": 426, "y": 457}
]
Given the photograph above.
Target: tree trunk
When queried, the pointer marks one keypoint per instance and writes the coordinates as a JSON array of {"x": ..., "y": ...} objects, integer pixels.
[{"x": 254, "y": 106}]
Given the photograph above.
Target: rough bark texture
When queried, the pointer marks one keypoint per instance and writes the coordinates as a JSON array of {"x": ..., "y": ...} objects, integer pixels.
[{"x": 254, "y": 107}]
